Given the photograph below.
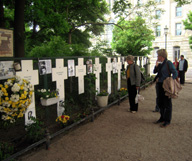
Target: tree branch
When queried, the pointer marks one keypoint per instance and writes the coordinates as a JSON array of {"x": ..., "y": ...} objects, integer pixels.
[{"x": 95, "y": 23}]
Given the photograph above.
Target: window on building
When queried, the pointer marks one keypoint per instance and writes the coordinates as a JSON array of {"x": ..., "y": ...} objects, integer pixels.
[
  {"x": 178, "y": 11},
  {"x": 178, "y": 29},
  {"x": 158, "y": 14},
  {"x": 155, "y": 52},
  {"x": 158, "y": 31},
  {"x": 176, "y": 52}
]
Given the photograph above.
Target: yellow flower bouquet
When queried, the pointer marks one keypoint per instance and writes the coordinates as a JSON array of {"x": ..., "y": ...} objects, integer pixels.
[
  {"x": 123, "y": 92},
  {"x": 63, "y": 119},
  {"x": 15, "y": 98}
]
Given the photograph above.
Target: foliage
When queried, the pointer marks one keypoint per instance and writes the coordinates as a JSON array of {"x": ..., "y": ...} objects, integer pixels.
[
  {"x": 123, "y": 92},
  {"x": 183, "y": 2},
  {"x": 103, "y": 93},
  {"x": 136, "y": 38},
  {"x": 15, "y": 97},
  {"x": 62, "y": 119},
  {"x": 47, "y": 93},
  {"x": 6, "y": 150},
  {"x": 87, "y": 99},
  {"x": 188, "y": 26},
  {"x": 57, "y": 47},
  {"x": 35, "y": 132},
  {"x": 125, "y": 10}
]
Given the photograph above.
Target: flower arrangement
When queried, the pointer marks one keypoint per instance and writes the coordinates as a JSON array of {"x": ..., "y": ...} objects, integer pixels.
[
  {"x": 45, "y": 94},
  {"x": 123, "y": 92},
  {"x": 15, "y": 98},
  {"x": 62, "y": 119},
  {"x": 103, "y": 93}
]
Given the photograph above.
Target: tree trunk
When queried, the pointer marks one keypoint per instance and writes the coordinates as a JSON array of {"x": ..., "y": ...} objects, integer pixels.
[
  {"x": 19, "y": 36},
  {"x": 2, "y": 20},
  {"x": 69, "y": 37}
]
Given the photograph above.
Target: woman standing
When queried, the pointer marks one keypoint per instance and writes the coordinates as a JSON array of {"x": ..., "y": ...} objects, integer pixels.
[
  {"x": 176, "y": 64},
  {"x": 164, "y": 102},
  {"x": 133, "y": 76}
]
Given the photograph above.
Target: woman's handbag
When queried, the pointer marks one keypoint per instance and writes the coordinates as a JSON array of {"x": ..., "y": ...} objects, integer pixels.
[{"x": 171, "y": 86}]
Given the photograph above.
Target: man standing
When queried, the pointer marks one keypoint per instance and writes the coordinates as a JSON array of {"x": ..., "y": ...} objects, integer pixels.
[{"x": 182, "y": 67}]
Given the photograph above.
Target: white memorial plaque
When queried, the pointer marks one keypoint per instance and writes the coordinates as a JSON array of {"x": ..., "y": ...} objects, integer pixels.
[
  {"x": 59, "y": 74},
  {"x": 108, "y": 70},
  {"x": 71, "y": 68},
  {"x": 80, "y": 73},
  {"x": 119, "y": 67},
  {"x": 97, "y": 71},
  {"x": 31, "y": 75},
  {"x": 114, "y": 65},
  {"x": 89, "y": 66},
  {"x": 28, "y": 114},
  {"x": 45, "y": 67},
  {"x": 6, "y": 69}
]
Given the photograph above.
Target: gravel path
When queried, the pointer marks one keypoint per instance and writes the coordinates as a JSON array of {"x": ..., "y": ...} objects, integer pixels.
[{"x": 118, "y": 135}]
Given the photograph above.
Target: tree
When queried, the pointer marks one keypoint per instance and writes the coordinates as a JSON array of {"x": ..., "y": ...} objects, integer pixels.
[
  {"x": 188, "y": 26},
  {"x": 183, "y": 2},
  {"x": 124, "y": 10},
  {"x": 19, "y": 37},
  {"x": 134, "y": 39}
]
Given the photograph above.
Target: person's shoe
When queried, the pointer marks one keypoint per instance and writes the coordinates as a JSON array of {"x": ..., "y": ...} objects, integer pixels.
[
  {"x": 164, "y": 124},
  {"x": 133, "y": 111},
  {"x": 158, "y": 122}
]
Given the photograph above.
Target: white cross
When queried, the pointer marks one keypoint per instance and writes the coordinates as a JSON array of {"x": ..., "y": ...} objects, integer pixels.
[
  {"x": 80, "y": 73},
  {"x": 2, "y": 38},
  {"x": 119, "y": 67},
  {"x": 31, "y": 75},
  {"x": 59, "y": 74},
  {"x": 108, "y": 70},
  {"x": 97, "y": 71}
]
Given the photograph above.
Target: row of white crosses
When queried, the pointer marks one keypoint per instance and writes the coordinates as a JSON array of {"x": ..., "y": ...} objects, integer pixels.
[{"x": 59, "y": 74}]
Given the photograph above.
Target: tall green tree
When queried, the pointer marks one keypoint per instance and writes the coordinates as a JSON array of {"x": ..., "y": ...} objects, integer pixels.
[
  {"x": 188, "y": 26},
  {"x": 183, "y": 2},
  {"x": 19, "y": 36},
  {"x": 62, "y": 18},
  {"x": 135, "y": 38}
]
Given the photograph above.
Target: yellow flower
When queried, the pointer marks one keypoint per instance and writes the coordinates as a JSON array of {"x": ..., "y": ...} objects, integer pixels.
[
  {"x": 14, "y": 114},
  {"x": 6, "y": 94},
  {"x": 7, "y": 110},
  {"x": 6, "y": 86},
  {"x": 3, "y": 90},
  {"x": 22, "y": 87},
  {"x": 20, "y": 115},
  {"x": 6, "y": 98},
  {"x": 13, "y": 104}
]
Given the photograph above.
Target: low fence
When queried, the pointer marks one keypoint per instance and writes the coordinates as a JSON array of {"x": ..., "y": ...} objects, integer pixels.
[{"x": 78, "y": 79}]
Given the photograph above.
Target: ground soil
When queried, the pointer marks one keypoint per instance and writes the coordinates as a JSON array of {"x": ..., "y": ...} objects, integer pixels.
[{"x": 118, "y": 135}]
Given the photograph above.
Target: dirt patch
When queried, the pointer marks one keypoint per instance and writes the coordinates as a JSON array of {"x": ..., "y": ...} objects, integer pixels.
[{"x": 118, "y": 135}]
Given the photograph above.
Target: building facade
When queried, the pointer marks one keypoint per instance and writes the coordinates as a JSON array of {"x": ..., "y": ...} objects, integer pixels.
[{"x": 176, "y": 39}]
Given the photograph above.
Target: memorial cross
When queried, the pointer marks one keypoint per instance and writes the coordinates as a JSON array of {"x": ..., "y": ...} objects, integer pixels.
[
  {"x": 97, "y": 71},
  {"x": 80, "y": 73},
  {"x": 31, "y": 75},
  {"x": 108, "y": 70},
  {"x": 59, "y": 74},
  {"x": 119, "y": 67}
]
